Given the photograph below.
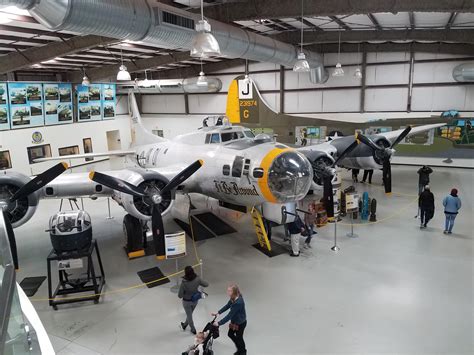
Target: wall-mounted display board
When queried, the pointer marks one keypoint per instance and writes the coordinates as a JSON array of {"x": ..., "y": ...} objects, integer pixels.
[
  {"x": 89, "y": 102},
  {"x": 108, "y": 101},
  {"x": 26, "y": 104},
  {"x": 58, "y": 103},
  {"x": 4, "y": 115}
]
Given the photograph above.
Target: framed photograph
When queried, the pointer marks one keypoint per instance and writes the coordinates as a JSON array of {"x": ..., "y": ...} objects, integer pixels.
[
  {"x": 5, "y": 160},
  {"x": 71, "y": 150},
  {"x": 38, "y": 151}
]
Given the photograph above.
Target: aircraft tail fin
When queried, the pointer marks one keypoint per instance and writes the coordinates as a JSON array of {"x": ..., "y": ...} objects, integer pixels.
[
  {"x": 140, "y": 135},
  {"x": 245, "y": 104}
]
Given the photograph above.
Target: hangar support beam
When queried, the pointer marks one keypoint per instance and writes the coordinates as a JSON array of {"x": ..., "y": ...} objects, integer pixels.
[
  {"x": 34, "y": 55},
  {"x": 107, "y": 71},
  {"x": 443, "y": 35},
  {"x": 260, "y": 9}
]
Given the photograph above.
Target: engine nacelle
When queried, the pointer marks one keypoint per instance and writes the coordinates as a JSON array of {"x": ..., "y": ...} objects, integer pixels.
[
  {"x": 383, "y": 142},
  {"x": 20, "y": 211},
  {"x": 149, "y": 181},
  {"x": 320, "y": 161}
]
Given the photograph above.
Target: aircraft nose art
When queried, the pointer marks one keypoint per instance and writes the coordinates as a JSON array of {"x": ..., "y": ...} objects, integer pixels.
[{"x": 287, "y": 176}]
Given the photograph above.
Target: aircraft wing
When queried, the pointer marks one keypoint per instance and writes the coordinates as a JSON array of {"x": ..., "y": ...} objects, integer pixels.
[
  {"x": 114, "y": 153},
  {"x": 392, "y": 135}
]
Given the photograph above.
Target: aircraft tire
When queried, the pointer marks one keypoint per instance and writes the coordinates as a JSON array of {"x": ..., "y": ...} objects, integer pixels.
[{"x": 133, "y": 231}]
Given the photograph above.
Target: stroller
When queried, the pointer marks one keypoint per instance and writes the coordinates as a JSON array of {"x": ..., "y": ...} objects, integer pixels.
[{"x": 210, "y": 333}]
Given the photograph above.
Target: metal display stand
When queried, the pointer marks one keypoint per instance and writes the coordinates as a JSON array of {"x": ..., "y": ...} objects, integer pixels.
[
  {"x": 335, "y": 248},
  {"x": 351, "y": 234},
  {"x": 92, "y": 283}
]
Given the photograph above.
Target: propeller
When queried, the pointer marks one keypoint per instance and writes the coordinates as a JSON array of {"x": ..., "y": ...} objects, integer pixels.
[
  {"x": 327, "y": 173},
  {"x": 29, "y": 188},
  {"x": 154, "y": 198},
  {"x": 384, "y": 154}
]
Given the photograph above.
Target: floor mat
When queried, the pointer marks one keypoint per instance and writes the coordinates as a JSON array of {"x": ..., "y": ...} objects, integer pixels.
[
  {"x": 31, "y": 284},
  {"x": 148, "y": 277},
  {"x": 214, "y": 223},
  {"x": 200, "y": 232},
  {"x": 277, "y": 249}
]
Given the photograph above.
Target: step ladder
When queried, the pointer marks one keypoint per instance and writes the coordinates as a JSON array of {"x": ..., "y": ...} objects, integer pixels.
[{"x": 260, "y": 229}]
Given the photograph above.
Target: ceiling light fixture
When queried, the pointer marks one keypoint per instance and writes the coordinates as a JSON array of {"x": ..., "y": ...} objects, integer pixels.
[
  {"x": 358, "y": 71},
  {"x": 146, "y": 83},
  {"x": 204, "y": 43},
  {"x": 85, "y": 78},
  {"x": 301, "y": 65},
  {"x": 123, "y": 74},
  {"x": 202, "y": 79},
  {"x": 338, "y": 71}
]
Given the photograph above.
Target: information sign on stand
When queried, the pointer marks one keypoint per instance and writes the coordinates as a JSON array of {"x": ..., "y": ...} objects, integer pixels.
[{"x": 175, "y": 245}]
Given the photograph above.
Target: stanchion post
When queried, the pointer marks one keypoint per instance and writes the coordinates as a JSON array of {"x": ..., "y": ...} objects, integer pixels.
[
  {"x": 335, "y": 248},
  {"x": 200, "y": 267},
  {"x": 108, "y": 208},
  {"x": 175, "y": 288},
  {"x": 351, "y": 234}
]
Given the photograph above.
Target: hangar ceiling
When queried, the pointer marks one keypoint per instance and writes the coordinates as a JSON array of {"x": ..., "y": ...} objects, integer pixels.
[{"x": 378, "y": 25}]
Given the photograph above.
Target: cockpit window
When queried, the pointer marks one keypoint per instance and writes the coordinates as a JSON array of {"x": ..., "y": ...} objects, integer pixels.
[
  {"x": 215, "y": 138},
  {"x": 249, "y": 134},
  {"x": 230, "y": 136}
]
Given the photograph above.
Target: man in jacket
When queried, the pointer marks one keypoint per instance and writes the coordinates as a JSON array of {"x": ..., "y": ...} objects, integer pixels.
[
  {"x": 295, "y": 228},
  {"x": 424, "y": 177},
  {"x": 426, "y": 205}
]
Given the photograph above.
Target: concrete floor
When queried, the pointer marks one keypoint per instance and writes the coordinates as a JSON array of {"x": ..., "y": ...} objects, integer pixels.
[{"x": 395, "y": 289}]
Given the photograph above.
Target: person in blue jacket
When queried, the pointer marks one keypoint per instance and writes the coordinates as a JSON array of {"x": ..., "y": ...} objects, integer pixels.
[
  {"x": 452, "y": 204},
  {"x": 237, "y": 317}
]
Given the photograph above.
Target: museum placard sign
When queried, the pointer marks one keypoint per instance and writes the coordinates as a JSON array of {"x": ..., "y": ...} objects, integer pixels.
[{"x": 175, "y": 245}]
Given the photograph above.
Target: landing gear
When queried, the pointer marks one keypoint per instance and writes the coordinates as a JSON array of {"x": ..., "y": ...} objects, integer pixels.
[{"x": 133, "y": 231}]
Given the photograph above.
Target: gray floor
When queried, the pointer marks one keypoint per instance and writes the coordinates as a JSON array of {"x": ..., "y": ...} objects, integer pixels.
[{"x": 395, "y": 289}]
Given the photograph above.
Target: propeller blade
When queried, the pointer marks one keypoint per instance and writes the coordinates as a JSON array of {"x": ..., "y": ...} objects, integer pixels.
[
  {"x": 158, "y": 232},
  {"x": 116, "y": 184},
  {"x": 349, "y": 149},
  {"x": 40, "y": 181},
  {"x": 387, "y": 176},
  {"x": 367, "y": 141},
  {"x": 328, "y": 196},
  {"x": 401, "y": 136},
  {"x": 182, "y": 176},
  {"x": 11, "y": 239}
]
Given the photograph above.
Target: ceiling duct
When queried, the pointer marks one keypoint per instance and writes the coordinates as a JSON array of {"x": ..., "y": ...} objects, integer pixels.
[
  {"x": 171, "y": 86},
  {"x": 162, "y": 25},
  {"x": 464, "y": 72}
]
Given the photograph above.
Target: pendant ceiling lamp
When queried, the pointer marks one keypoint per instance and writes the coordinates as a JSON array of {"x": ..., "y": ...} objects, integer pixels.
[
  {"x": 85, "y": 78},
  {"x": 338, "y": 71},
  {"x": 146, "y": 83},
  {"x": 301, "y": 64},
  {"x": 358, "y": 71},
  {"x": 202, "y": 79},
  {"x": 123, "y": 74},
  {"x": 204, "y": 44}
]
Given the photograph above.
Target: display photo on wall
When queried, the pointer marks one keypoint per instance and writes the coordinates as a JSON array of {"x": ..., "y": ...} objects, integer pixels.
[
  {"x": 26, "y": 104},
  {"x": 4, "y": 112},
  {"x": 21, "y": 116},
  {"x": 59, "y": 104},
  {"x": 108, "y": 101},
  {"x": 3, "y": 115},
  {"x": 94, "y": 92},
  {"x": 84, "y": 112},
  {"x": 65, "y": 112},
  {"x": 3, "y": 93},
  {"x": 51, "y": 92},
  {"x": 5, "y": 160},
  {"x": 65, "y": 92}
]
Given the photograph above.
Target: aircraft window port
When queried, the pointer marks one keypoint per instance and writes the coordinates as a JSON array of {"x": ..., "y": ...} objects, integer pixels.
[
  {"x": 230, "y": 136},
  {"x": 226, "y": 170},
  {"x": 215, "y": 138},
  {"x": 249, "y": 134},
  {"x": 98, "y": 188},
  {"x": 148, "y": 155},
  {"x": 49, "y": 191},
  {"x": 237, "y": 166},
  {"x": 208, "y": 139},
  {"x": 246, "y": 166},
  {"x": 258, "y": 173}
]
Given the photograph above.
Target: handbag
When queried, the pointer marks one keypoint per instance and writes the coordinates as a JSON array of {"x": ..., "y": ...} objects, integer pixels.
[{"x": 196, "y": 296}]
